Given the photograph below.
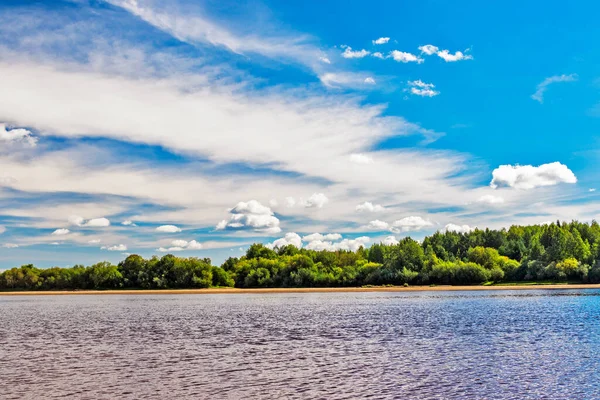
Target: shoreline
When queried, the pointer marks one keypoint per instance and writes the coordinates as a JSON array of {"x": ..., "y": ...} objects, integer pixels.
[{"x": 441, "y": 288}]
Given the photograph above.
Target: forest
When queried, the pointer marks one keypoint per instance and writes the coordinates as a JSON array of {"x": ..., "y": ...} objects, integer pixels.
[{"x": 556, "y": 252}]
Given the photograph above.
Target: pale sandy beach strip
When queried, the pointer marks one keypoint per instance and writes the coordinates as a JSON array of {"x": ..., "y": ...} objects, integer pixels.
[{"x": 440, "y": 288}]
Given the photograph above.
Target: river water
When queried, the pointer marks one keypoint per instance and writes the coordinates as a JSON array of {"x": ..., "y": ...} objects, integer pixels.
[{"x": 422, "y": 345}]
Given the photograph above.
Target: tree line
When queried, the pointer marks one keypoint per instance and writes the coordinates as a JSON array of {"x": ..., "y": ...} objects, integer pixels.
[{"x": 553, "y": 252}]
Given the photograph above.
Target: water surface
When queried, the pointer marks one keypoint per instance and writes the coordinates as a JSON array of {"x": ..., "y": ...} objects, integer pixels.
[{"x": 426, "y": 345}]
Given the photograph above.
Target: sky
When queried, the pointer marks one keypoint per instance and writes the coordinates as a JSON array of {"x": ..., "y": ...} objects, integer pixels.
[{"x": 200, "y": 127}]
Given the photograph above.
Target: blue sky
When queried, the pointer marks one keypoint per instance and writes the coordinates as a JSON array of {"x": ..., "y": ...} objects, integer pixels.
[{"x": 201, "y": 127}]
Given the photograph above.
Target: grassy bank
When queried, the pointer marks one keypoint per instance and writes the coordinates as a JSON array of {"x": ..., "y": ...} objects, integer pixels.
[{"x": 441, "y": 288}]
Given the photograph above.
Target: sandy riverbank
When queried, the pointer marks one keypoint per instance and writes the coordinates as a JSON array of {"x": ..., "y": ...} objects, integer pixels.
[{"x": 306, "y": 290}]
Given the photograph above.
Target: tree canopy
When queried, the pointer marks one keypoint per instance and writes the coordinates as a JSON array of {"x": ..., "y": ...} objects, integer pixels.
[{"x": 552, "y": 252}]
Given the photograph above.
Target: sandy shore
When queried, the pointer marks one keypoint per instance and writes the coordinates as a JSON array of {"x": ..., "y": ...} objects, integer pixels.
[{"x": 305, "y": 290}]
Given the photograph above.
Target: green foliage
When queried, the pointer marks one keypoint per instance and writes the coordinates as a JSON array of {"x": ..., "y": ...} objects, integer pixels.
[{"x": 553, "y": 252}]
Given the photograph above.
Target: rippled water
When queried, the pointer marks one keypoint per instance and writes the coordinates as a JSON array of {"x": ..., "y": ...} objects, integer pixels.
[{"x": 437, "y": 345}]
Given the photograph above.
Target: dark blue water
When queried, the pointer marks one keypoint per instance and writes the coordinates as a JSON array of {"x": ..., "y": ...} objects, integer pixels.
[{"x": 437, "y": 345}]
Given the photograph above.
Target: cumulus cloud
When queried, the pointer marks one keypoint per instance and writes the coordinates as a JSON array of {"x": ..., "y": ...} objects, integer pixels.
[
  {"x": 490, "y": 199},
  {"x": 94, "y": 222},
  {"x": 390, "y": 241},
  {"x": 128, "y": 223},
  {"x": 458, "y": 228},
  {"x": 318, "y": 236},
  {"x": 290, "y": 238},
  {"x": 428, "y": 49},
  {"x": 529, "y": 177},
  {"x": 420, "y": 88},
  {"x": 290, "y": 202},
  {"x": 181, "y": 245},
  {"x": 61, "y": 232},
  {"x": 369, "y": 80},
  {"x": 367, "y": 206},
  {"x": 97, "y": 222},
  {"x": 379, "y": 55},
  {"x": 449, "y": 57},
  {"x": 404, "y": 57},
  {"x": 117, "y": 247},
  {"x": 316, "y": 200},
  {"x": 251, "y": 215},
  {"x": 412, "y": 223},
  {"x": 168, "y": 229},
  {"x": 381, "y": 40},
  {"x": 346, "y": 244},
  {"x": 349, "y": 53},
  {"x": 378, "y": 225},
  {"x": 18, "y": 135},
  {"x": 361, "y": 158},
  {"x": 542, "y": 87}
]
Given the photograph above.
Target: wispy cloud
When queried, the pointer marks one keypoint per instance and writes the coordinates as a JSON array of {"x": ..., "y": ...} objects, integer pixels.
[
  {"x": 543, "y": 86},
  {"x": 349, "y": 53}
]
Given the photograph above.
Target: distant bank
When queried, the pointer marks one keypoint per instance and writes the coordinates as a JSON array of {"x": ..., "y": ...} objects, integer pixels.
[{"x": 439, "y": 288}]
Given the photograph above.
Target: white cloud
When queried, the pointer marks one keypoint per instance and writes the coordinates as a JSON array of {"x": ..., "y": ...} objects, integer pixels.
[
  {"x": 10, "y": 245},
  {"x": 412, "y": 223},
  {"x": 168, "y": 229},
  {"x": 529, "y": 177},
  {"x": 320, "y": 237},
  {"x": 349, "y": 53},
  {"x": 390, "y": 241},
  {"x": 490, "y": 199},
  {"x": 379, "y": 55},
  {"x": 273, "y": 203},
  {"x": 344, "y": 80},
  {"x": 420, "y": 88},
  {"x": 325, "y": 60},
  {"x": 128, "y": 223},
  {"x": 94, "y": 222},
  {"x": 424, "y": 92},
  {"x": 361, "y": 158},
  {"x": 346, "y": 244},
  {"x": 458, "y": 228},
  {"x": 404, "y": 57},
  {"x": 251, "y": 215},
  {"x": 76, "y": 220},
  {"x": 369, "y": 207},
  {"x": 289, "y": 238},
  {"x": 94, "y": 241},
  {"x": 61, "y": 232},
  {"x": 316, "y": 200},
  {"x": 421, "y": 84},
  {"x": 542, "y": 87},
  {"x": 429, "y": 49},
  {"x": 381, "y": 40},
  {"x": 195, "y": 28},
  {"x": 117, "y": 247},
  {"x": 458, "y": 56},
  {"x": 369, "y": 80},
  {"x": 181, "y": 245},
  {"x": 378, "y": 225},
  {"x": 290, "y": 202},
  {"x": 97, "y": 222},
  {"x": 590, "y": 190},
  {"x": 23, "y": 136},
  {"x": 2, "y": 229}
]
